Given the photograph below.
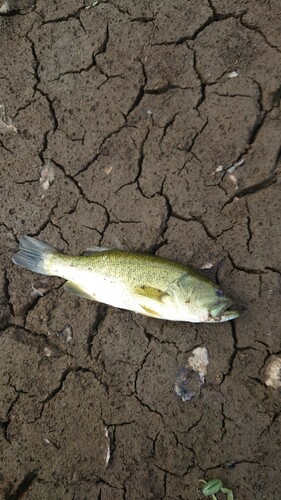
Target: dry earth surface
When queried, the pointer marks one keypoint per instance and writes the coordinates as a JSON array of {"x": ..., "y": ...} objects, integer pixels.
[{"x": 155, "y": 126}]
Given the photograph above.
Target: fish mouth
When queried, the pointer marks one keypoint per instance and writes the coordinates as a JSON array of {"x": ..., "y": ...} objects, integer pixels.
[{"x": 222, "y": 311}]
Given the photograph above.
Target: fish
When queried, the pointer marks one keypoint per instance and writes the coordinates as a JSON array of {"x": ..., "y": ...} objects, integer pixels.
[{"x": 146, "y": 284}]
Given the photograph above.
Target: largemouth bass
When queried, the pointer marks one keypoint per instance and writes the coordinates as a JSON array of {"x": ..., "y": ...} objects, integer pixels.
[{"x": 145, "y": 284}]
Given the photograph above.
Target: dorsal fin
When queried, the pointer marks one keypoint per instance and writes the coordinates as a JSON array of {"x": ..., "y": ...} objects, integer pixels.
[{"x": 93, "y": 250}]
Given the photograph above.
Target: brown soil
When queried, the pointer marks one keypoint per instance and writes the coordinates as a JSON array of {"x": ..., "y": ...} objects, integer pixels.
[{"x": 138, "y": 109}]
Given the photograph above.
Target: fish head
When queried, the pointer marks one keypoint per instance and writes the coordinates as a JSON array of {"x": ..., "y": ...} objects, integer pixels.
[
  {"x": 222, "y": 308},
  {"x": 206, "y": 301},
  {"x": 217, "y": 306}
]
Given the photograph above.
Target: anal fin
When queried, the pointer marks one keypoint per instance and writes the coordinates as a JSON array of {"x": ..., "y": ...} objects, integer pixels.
[{"x": 75, "y": 289}]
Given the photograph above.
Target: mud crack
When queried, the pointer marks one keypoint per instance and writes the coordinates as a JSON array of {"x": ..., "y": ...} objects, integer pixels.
[
  {"x": 257, "y": 29},
  {"x": 140, "y": 93},
  {"x": 23, "y": 487},
  {"x": 101, "y": 314}
]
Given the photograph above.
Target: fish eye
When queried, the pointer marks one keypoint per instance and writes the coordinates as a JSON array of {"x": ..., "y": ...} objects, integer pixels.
[{"x": 219, "y": 292}]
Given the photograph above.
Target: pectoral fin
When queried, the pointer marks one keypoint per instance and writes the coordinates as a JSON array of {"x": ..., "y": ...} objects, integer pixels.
[
  {"x": 150, "y": 292},
  {"x": 75, "y": 289}
]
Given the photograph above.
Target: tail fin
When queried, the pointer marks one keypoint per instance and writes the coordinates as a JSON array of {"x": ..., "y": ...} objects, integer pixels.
[{"x": 34, "y": 255}]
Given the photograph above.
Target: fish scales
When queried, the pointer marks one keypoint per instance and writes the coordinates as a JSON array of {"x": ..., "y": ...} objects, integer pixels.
[
  {"x": 146, "y": 284},
  {"x": 120, "y": 278}
]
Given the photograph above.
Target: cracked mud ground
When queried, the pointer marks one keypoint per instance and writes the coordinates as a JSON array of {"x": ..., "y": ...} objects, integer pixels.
[{"x": 141, "y": 109}]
